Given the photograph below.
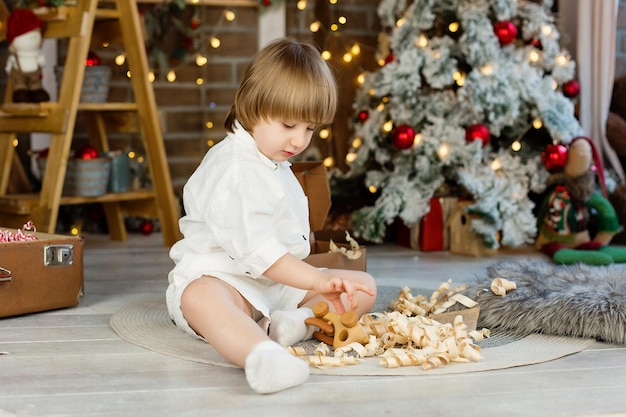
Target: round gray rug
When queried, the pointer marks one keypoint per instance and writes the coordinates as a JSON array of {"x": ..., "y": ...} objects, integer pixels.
[{"x": 147, "y": 324}]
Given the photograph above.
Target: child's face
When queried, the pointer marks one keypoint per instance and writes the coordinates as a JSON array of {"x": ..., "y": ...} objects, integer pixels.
[{"x": 279, "y": 140}]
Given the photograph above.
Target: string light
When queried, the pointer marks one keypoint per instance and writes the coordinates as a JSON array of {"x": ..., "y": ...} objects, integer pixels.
[
  {"x": 215, "y": 42},
  {"x": 324, "y": 133},
  {"x": 347, "y": 57},
  {"x": 329, "y": 162},
  {"x": 561, "y": 60},
  {"x": 171, "y": 76},
  {"x": 199, "y": 81},
  {"x": 487, "y": 69},
  {"x": 151, "y": 76},
  {"x": 326, "y": 55},
  {"x": 356, "y": 49},
  {"x": 315, "y": 26},
  {"x": 229, "y": 15},
  {"x": 372, "y": 189},
  {"x": 360, "y": 78},
  {"x": 534, "y": 56},
  {"x": 388, "y": 126},
  {"x": 516, "y": 146},
  {"x": 209, "y": 125},
  {"x": 422, "y": 41},
  {"x": 443, "y": 151},
  {"x": 342, "y": 20},
  {"x": 537, "y": 124},
  {"x": 301, "y": 5},
  {"x": 120, "y": 59},
  {"x": 351, "y": 157},
  {"x": 356, "y": 142},
  {"x": 201, "y": 60},
  {"x": 496, "y": 164},
  {"x": 454, "y": 27}
]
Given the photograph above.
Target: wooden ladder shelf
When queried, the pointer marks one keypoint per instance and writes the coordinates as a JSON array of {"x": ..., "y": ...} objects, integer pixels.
[{"x": 59, "y": 118}]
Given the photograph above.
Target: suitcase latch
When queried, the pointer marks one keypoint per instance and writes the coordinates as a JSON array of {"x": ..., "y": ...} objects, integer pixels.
[
  {"x": 58, "y": 255},
  {"x": 5, "y": 275}
]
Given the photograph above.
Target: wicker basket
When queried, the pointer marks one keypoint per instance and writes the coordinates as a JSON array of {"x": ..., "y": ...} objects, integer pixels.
[
  {"x": 95, "y": 88},
  {"x": 84, "y": 177}
]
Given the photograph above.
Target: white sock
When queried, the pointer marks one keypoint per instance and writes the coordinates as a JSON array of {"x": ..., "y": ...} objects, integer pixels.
[
  {"x": 270, "y": 368},
  {"x": 288, "y": 327}
]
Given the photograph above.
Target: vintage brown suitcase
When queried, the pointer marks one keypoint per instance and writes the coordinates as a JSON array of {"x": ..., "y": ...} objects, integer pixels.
[{"x": 39, "y": 275}]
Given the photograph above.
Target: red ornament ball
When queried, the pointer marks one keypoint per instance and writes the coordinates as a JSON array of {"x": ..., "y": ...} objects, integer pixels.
[
  {"x": 92, "y": 59},
  {"x": 390, "y": 58},
  {"x": 571, "y": 89},
  {"x": 403, "y": 137},
  {"x": 478, "y": 132},
  {"x": 505, "y": 31},
  {"x": 194, "y": 24},
  {"x": 86, "y": 152},
  {"x": 147, "y": 227},
  {"x": 363, "y": 116},
  {"x": 554, "y": 157}
]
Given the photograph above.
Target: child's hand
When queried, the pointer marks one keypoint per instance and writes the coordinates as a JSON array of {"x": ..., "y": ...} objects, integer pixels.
[{"x": 334, "y": 286}]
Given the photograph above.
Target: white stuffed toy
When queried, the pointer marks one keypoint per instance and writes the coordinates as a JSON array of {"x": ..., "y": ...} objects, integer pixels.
[{"x": 24, "y": 34}]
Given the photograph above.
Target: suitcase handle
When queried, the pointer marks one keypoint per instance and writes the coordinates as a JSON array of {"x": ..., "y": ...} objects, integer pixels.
[{"x": 5, "y": 275}]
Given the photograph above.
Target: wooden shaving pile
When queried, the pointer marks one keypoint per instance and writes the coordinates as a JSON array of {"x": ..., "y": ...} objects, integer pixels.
[{"x": 407, "y": 337}]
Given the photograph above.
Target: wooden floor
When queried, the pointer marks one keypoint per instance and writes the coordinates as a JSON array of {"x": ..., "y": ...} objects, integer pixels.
[{"x": 70, "y": 363}]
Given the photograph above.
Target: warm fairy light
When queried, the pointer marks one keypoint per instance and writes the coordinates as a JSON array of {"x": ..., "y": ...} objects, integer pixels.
[
  {"x": 356, "y": 142},
  {"x": 418, "y": 140},
  {"x": 140, "y": 159},
  {"x": 324, "y": 133},
  {"x": 443, "y": 151},
  {"x": 400, "y": 22},
  {"x": 347, "y": 57},
  {"x": 496, "y": 164},
  {"x": 104, "y": 44},
  {"x": 454, "y": 27},
  {"x": 229, "y": 15},
  {"x": 422, "y": 41},
  {"x": 215, "y": 42},
  {"x": 334, "y": 27},
  {"x": 209, "y": 125},
  {"x": 351, "y": 157},
  {"x": 201, "y": 60},
  {"x": 74, "y": 230},
  {"x": 372, "y": 189},
  {"x": 385, "y": 99},
  {"x": 326, "y": 55},
  {"x": 534, "y": 56},
  {"x": 371, "y": 92},
  {"x": 301, "y": 5},
  {"x": 360, "y": 78},
  {"x": 120, "y": 59},
  {"x": 380, "y": 107},
  {"x": 457, "y": 75},
  {"x": 388, "y": 126},
  {"x": 547, "y": 30},
  {"x": 199, "y": 81},
  {"x": 131, "y": 155},
  {"x": 537, "y": 124},
  {"x": 329, "y": 162},
  {"x": 332, "y": 1},
  {"x": 555, "y": 84},
  {"x": 516, "y": 146},
  {"x": 561, "y": 60},
  {"x": 128, "y": 74},
  {"x": 210, "y": 143},
  {"x": 487, "y": 69},
  {"x": 171, "y": 76},
  {"x": 381, "y": 62},
  {"x": 15, "y": 142},
  {"x": 342, "y": 20},
  {"x": 151, "y": 76},
  {"x": 195, "y": 1},
  {"x": 436, "y": 55},
  {"x": 356, "y": 49},
  {"x": 315, "y": 26}
]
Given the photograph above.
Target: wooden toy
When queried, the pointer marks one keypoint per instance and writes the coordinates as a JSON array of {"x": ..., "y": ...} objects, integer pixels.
[{"x": 336, "y": 329}]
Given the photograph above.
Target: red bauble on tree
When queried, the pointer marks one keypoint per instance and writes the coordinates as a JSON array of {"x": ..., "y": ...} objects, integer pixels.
[
  {"x": 554, "y": 157},
  {"x": 478, "y": 132},
  {"x": 390, "y": 58},
  {"x": 86, "y": 152},
  {"x": 571, "y": 89},
  {"x": 403, "y": 137},
  {"x": 147, "y": 227},
  {"x": 92, "y": 59},
  {"x": 363, "y": 116},
  {"x": 505, "y": 31}
]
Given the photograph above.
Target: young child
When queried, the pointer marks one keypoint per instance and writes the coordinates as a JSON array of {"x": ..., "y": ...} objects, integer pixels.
[{"x": 239, "y": 281}]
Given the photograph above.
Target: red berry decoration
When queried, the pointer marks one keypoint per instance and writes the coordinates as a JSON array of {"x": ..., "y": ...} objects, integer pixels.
[
  {"x": 571, "y": 89},
  {"x": 403, "y": 137},
  {"x": 505, "y": 31},
  {"x": 86, "y": 152},
  {"x": 390, "y": 58},
  {"x": 92, "y": 59},
  {"x": 554, "y": 157},
  {"x": 363, "y": 116},
  {"x": 147, "y": 227},
  {"x": 478, "y": 132}
]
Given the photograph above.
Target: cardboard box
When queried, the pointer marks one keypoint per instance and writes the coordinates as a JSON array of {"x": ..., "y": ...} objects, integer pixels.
[
  {"x": 313, "y": 177},
  {"x": 39, "y": 275}
]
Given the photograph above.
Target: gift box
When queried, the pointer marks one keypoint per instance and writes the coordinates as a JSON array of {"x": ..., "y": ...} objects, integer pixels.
[
  {"x": 431, "y": 232},
  {"x": 462, "y": 240},
  {"x": 313, "y": 177},
  {"x": 45, "y": 273}
]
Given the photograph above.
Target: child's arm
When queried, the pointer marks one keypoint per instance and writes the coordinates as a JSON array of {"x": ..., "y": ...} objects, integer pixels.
[{"x": 291, "y": 271}]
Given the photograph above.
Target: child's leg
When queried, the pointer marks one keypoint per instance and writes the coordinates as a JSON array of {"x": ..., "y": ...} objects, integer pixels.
[
  {"x": 365, "y": 301},
  {"x": 217, "y": 312}
]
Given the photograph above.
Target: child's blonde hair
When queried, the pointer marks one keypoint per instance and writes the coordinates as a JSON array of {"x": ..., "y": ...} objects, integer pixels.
[{"x": 286, "y": 80}]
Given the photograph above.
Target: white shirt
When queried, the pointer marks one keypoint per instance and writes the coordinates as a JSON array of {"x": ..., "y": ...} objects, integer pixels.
[{"x": 242, "y": 213}]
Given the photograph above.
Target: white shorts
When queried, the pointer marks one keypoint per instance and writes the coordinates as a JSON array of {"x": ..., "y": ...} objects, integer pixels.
[{"x": 264, "y": 298}]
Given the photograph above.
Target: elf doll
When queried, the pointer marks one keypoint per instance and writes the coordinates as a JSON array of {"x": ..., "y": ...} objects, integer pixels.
[
  {"x": 572, "y": 199},
  {"x": 25, "y": 60}
]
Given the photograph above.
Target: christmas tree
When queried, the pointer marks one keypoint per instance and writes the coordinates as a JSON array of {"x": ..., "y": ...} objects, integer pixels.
[{"x": 469, "y": 94}]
